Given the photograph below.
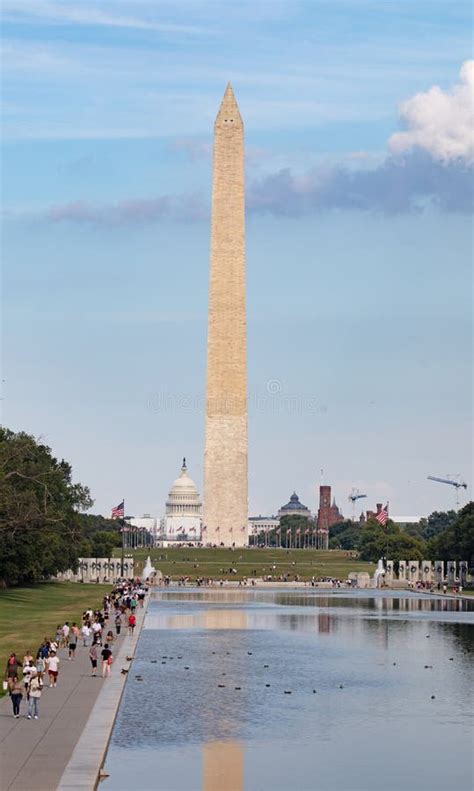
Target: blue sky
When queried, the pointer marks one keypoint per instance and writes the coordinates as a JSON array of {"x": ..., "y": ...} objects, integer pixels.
[{"x": 359, "y": 240}]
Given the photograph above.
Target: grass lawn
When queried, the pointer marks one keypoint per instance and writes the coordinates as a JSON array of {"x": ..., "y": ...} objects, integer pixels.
[
  {"x": 216, "y": 563},
  {"x": 29, "y": 614}
]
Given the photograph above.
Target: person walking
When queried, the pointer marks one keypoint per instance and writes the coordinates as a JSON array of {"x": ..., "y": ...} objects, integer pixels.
[
  {"x": 43, "y": 650},
  {"x": 16, "y": 694},
  {"x": 27, "y": 673},
  {"x": 36, "y": 689},
  {"x": 85, "y": 634},
  {"x": 93, "y": 658},
  {"x": 40, "y": 666},
  {"x": 97, "y": 632},
  {"x": 107, "y": 660},
  {"x": 131, "y": 623},
  {"x": 28, "y": 658},
  {"x": 52, "y": 664},
  {"x": 12, "y": 667},
  {"x": 73, "y": 636},
  {"x": 65, "y": 635},
  {"x": 118, "y": 623}
]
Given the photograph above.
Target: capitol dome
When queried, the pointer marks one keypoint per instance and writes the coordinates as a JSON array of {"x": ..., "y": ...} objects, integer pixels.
[{"x": 183, "y": 497}]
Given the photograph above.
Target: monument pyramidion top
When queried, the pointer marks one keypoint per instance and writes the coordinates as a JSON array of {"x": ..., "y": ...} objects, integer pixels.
[{"x": 229, "y": 115}]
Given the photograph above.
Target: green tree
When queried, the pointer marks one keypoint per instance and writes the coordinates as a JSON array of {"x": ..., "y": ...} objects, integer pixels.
[
  {"x": 103, "y": 542},
  {"x": 345, "y": 535},
  {"x": 91, "y": 523},
  {"x": 40, "y": 533},
  {"x": 437, "y": 523},
  {"x": 100, "y": 535},
  {"x": 457, "y": 541},
  {"x": 434, "y": 525},
  {"x": 389, "y": 541}
]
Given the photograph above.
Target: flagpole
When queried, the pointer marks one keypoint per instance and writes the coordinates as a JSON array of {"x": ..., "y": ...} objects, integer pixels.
[{"x": 123, "y": 539}]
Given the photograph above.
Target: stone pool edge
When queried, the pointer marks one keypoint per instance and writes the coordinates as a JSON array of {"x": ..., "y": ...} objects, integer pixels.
[{"x": 84, "y": 767}]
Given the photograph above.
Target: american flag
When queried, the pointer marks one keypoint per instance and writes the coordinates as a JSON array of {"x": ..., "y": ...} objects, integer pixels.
[
  {"x": 119, "y": 511},
  {"x": 382, "y": 516}
]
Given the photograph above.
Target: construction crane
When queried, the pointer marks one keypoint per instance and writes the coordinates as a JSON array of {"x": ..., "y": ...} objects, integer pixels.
[
  {"x": 353, "y": 497},
  {"x": 457, "y": 484}
]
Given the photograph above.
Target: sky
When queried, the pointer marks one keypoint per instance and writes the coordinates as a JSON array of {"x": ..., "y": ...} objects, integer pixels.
[{"x": 359, "y": 165}]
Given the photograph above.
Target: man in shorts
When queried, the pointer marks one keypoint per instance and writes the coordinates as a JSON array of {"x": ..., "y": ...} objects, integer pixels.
[
  {"x": 73, "y": 636},
  {"x": 107, "y": 660},
  {"x": 52, "y": 664}
]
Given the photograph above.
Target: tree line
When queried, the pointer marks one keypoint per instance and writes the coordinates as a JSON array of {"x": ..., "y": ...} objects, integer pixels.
[
  {"x": 43, "y": 529},
  {"x": 442, "y": 536}
]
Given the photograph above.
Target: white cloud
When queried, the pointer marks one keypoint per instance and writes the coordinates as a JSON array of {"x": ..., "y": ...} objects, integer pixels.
[
  {"x": 440, "y": 122},
  {"x": 83, "y": 14}
]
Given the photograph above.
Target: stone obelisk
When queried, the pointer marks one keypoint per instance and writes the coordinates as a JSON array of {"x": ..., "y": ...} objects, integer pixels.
[{"x": 225, "y": 454}]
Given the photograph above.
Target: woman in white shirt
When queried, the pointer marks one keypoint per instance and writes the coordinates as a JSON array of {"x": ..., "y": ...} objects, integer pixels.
[
  {"x": 85, "y": 634},
  {"x": 36, "y": 688},
  {"x": 53, "y": 668}
]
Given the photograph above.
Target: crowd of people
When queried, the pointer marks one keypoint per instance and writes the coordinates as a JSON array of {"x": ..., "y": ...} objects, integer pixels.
[
  {"x": 98, "y": 630},
  {"x": 184, "y": 581}
]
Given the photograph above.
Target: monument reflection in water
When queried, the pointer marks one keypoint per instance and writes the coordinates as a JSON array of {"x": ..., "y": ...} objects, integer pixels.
[{"x": 380, "y": 693}]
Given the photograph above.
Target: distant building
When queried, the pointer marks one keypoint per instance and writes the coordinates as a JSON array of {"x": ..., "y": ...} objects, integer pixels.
[
  {"x": 374, "y": 514},
  {"x": 328, "y": 512},
  {"x": 404, "y": 521},
  {"x": 182, "y": 520},
  {"x": 294, "y": 508},
  {"x": 259, "y": 524},
  {"x": 140, "y": 531},
  {"x": 328, "y": 515},
  {"x": 317, "y": 532},
  {"x": 145, "y": 522}
]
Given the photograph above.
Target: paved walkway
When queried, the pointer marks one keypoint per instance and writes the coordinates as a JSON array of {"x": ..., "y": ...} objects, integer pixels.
[
  {"x": 35, "y": 753},
  {"x": 82, "y": 770}
]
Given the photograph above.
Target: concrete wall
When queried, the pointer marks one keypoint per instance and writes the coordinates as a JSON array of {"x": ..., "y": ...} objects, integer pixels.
[
  {"x": 428, "y": 571},
  {"x": 99, "y": 570}
]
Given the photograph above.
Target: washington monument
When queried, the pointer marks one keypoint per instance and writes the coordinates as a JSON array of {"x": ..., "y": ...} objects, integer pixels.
[{"x": 225, "y": 454}]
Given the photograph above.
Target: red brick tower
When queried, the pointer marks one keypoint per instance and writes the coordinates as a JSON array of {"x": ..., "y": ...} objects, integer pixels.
[
  {"x": 324, "y": 517},
  {"x": 328, "y": 514}
]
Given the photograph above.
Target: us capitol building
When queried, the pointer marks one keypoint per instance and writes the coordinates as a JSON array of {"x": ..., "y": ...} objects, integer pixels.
[{"x": 182, "y": 520}]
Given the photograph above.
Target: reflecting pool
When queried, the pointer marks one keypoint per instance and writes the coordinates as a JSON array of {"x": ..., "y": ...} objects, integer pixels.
[{"x": 267, "y": 689}]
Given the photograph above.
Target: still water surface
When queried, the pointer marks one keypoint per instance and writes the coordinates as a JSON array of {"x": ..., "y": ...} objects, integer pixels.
[{"x": 212, "y": 711}]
